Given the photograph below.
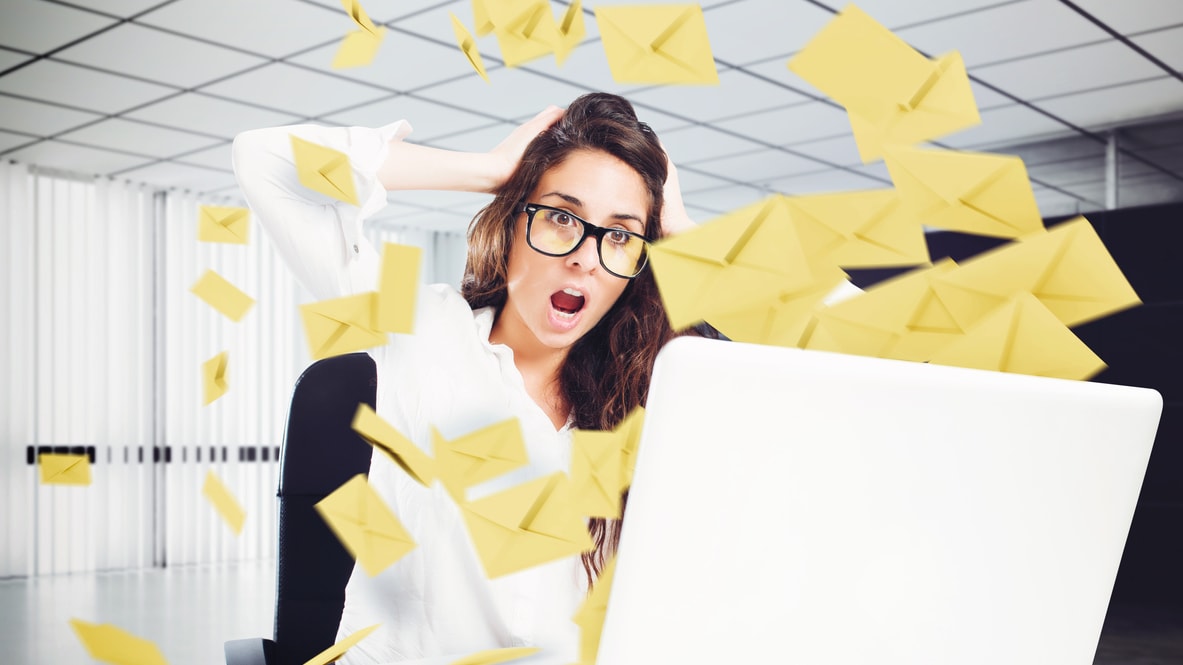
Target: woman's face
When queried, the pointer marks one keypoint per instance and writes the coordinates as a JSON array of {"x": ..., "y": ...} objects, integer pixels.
[{"x": 559, "y": 299}]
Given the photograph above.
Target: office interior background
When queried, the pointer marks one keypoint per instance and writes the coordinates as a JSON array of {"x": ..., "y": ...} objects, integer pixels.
[{"x": 116, "y": 122}]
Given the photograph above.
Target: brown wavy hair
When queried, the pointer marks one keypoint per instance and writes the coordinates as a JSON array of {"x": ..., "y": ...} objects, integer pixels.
[{"x": 606, "y": 372}]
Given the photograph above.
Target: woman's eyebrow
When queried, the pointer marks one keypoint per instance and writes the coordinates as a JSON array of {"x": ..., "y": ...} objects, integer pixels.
[{"x": 579, "y": 204}]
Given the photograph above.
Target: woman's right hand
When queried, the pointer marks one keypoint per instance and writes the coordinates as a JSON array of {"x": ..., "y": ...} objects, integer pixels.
[{"x": 509, "y": 152}]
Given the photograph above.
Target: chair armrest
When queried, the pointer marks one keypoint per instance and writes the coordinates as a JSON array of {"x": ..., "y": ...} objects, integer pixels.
[{"x": 253, "y": 651}]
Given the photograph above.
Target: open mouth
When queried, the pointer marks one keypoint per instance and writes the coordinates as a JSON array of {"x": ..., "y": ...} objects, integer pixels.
[{"x": 567, "y": 302}]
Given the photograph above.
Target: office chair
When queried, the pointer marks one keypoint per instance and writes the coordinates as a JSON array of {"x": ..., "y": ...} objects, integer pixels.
[{"x": 320, "y": 452}]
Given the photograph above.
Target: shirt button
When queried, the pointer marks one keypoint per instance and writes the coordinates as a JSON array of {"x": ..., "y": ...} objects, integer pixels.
[
  {"x": 355, "y": 249},
  {"x": 518, "y": 642}
]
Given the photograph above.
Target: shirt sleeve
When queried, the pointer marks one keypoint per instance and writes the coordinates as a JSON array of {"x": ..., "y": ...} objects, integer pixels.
[{"x": 318, "y": 237}]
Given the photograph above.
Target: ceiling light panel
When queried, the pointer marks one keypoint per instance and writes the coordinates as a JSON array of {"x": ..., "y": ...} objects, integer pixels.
[
  {"x": 1071, "y": 70},
  {"x": 39, "y": 27},
  {"x": 202, "y": 113},
  {"x": 79, "y": 87},
  {"x": 40, "y": 119},
  {"x": 75, "y": 159},
  {"x": 1119, "y": 104},
  {"x": 137, "y": 137},
  {"x": 296, "y": 90}
]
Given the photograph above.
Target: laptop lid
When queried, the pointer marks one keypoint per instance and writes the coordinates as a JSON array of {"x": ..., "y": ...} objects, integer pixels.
[{"x": 804, "y": 507}]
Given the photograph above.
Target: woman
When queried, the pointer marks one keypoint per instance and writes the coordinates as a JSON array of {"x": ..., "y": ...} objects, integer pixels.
[{"x": 558, "y": 325}]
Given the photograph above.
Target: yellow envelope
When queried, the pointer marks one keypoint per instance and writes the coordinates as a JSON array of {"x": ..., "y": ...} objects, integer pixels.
[
  {"x": 324, "y": 170},
  {"x": 224, "y": 224},
  {"x": 783, "y": 320},
  {"x": 110, "y": 644},
  {"x": 970, "y": 192},
  {"x": 571, "y": 30},
  {"x": 335, "y": 652},
  {"x": 1066, "y": 268},
  {"x": 525, "y": 29},
  {"x": 1024, "y": 337},
  {"x": 590, "y": 616},
  {"x": 401, "y": 450},
  {"x": 892, "y": 93},
  {"x": 597, "y": 473},
  {"x": 342, "y": 325},
  {"x": 398, "y": 287},
  {"x": 734, "y": 262},
  {"x": 860, "y": 229},
  {"x": 481, "y": 17},
  {"x": 213, "y": 372},
  {"x": 359, "y": 46},
  {"x": 899, "y": 318},
  {"x": 660, "y": 44},
  {"x": 527, "y": 525},
  {"x": 222, "y": 295},
  {"x": 64, "y": 469},
  {"x": 628, "y": 434},
  {"x": 494, "y": 656},
  {"x": 478, "y": 456},
  {"x": 224, "y": 502},
  {"x": 468, "y": 47},
  {"x": 365, "y": 525}
]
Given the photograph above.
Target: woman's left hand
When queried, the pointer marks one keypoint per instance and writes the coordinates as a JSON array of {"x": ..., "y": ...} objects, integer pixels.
[{"x": 674, "y": 218}]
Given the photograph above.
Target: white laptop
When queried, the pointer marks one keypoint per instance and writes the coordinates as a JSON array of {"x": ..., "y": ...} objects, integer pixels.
[{"x": 821, "y": 509}]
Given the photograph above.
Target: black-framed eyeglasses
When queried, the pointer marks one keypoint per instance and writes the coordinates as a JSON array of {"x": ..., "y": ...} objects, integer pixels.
[{"x": 556, "y": 232}]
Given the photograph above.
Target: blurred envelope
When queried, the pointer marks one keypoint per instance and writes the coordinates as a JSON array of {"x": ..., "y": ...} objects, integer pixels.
[
  {"x": 971, "y": 192},
  {"x": 494, "y": 656},
  {"x": 740, "y": 260},
  {"x": 628, "y": 434},
  {"x": 783, "y": 320},
  {"x": 526, "y": 525},
  {"x": 324, "y": 170},
  {"x": 590, "y": 616},
  {"x": 525, "y": 29},
  {"x": 335, "y": 652},
  {"x": 571, "y": 31},
  {"x": 1066, "y": 268},
  {"x": 861, "y": 229},
  {"x": 64, "y": 469},
  {"x": 401, "y": 450},
  {"x": 1024, "y": 337},
  {"x": 481, "y": 18},
  {"x": 659, "y": 44},
  {"x": 342, "y": 325},
  {"x": 213, "y": 372},
  {"x": 479, "y": 455},
  {"x": 110, "y": 644},
  {"x": 468, "y": 47},
  {"x": 365, "y": 525},
  {"x": 899, "y": 318},
  {"x": 892, "y": 93},
  {"x": 398, "y": 287},
  {"x": 222, "y": 295},
  {"x": 224, "y": 502},
  {"x": 224, "y": 224},
  {"x": 597, "y": 473},
  {"x": 359, "y": 46}
]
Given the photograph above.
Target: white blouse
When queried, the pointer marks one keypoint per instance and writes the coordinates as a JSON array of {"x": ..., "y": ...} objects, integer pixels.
[{"x": 435, "y": 605}]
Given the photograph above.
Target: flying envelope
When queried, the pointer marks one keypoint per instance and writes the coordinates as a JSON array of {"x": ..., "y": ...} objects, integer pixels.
[
  {"x": 224, "y": 502},
  {"x": 658, "y": 44},
  {"x": 335, "y": 652},
  {"x": 398, "y": 287},
  {"x": 324, "y": 170},
  {"x": 859, "y": 229},
  {"x": 359, "y": 46},
  {"x": 365, "y": 525},
  {"x": 64, "y": 469},
  {"x": 478, "y": 456},
  {"x": 213, "y": 372},
  {"x": 495, "y": 656},
  {"x": 223, "y": 296},
  {"x": 401, "y": 450},
  {"x": 110, "y": 644},
  {"x": 468, "y": 47},
  {"x": 224, "y": 224},
  {"x": 342, "y": 325},
  {"x": 591, "y": 614}
]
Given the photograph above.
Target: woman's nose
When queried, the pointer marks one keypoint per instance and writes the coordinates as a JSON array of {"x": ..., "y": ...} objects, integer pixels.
[{"x": 586, "y": 255}]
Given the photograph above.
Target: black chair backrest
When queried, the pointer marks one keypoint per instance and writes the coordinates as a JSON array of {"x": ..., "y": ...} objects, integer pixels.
[{"x": 320, "y": 452}]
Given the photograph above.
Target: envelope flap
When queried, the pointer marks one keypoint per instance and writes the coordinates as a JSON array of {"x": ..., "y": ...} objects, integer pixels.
[
  {"x": 109, "y": 643},
  {"x": 1082, "y": 281},
  {"x": 950, "y": 92}
]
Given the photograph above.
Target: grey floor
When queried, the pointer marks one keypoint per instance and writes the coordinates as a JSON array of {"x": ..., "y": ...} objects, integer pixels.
[{"x": 191, "y": 611}]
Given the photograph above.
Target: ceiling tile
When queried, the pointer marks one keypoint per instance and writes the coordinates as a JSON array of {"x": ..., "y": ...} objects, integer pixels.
[
  {"x": 1055, "y": 204},
  {"x": 1091, "y": 194},
  {"x": 295, "y": 90},
  {"x": 201, "y": 113},
  {"x": 896, "y": 13},
  {"x": 435, "y": 25},
  {"x": 511, "y": 93},
  {"x": 1071, "y": 70},
  {"x": 275, "y": 28},
  {"x": 1167, "y": 157},
  {"x": 429, "y": 119},
  {"x": 840, "y": 150},
  {"x": 157, "y": 56},
  {"x": 752, "y": 30},
  {"x": 699, "y": 214},
  {"x": 123, "y": 8},
  {"x": 217, "y": 157},
  {"x": 119, "y": 134},
  {"x": 39, "y": 27},
  {"x": 74, "y": 158},
  {"x": 384, "y": 11},
  {"x": 10, "y": 59},
  {"x": 1134, "y": 15},
  {"x": 1148, "y": 190},
  {"x": 169, "y": 175},
  {"x": 692, "y": 180},
  {"x": 793, "y": 124},
  {"x": 1166, "y": 45},
  {"x": 738, "y": 93},
  {"x": 40, "y": 119},
  {"x": 1005, "y": 125},
  {"x": 1118, "y": 104},
  {"x": 404, "y": 62},
  {"x": 1064, "y": 149},
  {"x": 777, "y": 70},
  {"x": 1068, "y": 172},
  {"x": 1005, "y": 32},
  {"x": 586, "y": 67},
  {"x": 987, "y": 98},
  {"x": 758, "y": 167},
  {"x": 8, "y": 140},
  {"x": 438, "y": 200},
  {"x": 79, "y": 87},
  {"x": 697, "y": 142},
  {"x": 724, "y": 199},
  {"x": 823, "y": 181}
]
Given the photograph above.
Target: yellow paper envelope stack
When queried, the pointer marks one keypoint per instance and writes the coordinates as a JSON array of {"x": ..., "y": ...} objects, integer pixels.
[
  {"x": 657, "y": 44},
  {"x": 359, "y": 46},
  {"x": 64, "y": 469},
  {"x": 365, "y": 525},
  {"x": 111, "y": 644}
]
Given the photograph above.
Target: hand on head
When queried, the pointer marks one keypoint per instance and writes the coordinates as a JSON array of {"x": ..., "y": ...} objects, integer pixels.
[
  {"x": 674, "y": 217},
  {"x": 509, "y": 151}
]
